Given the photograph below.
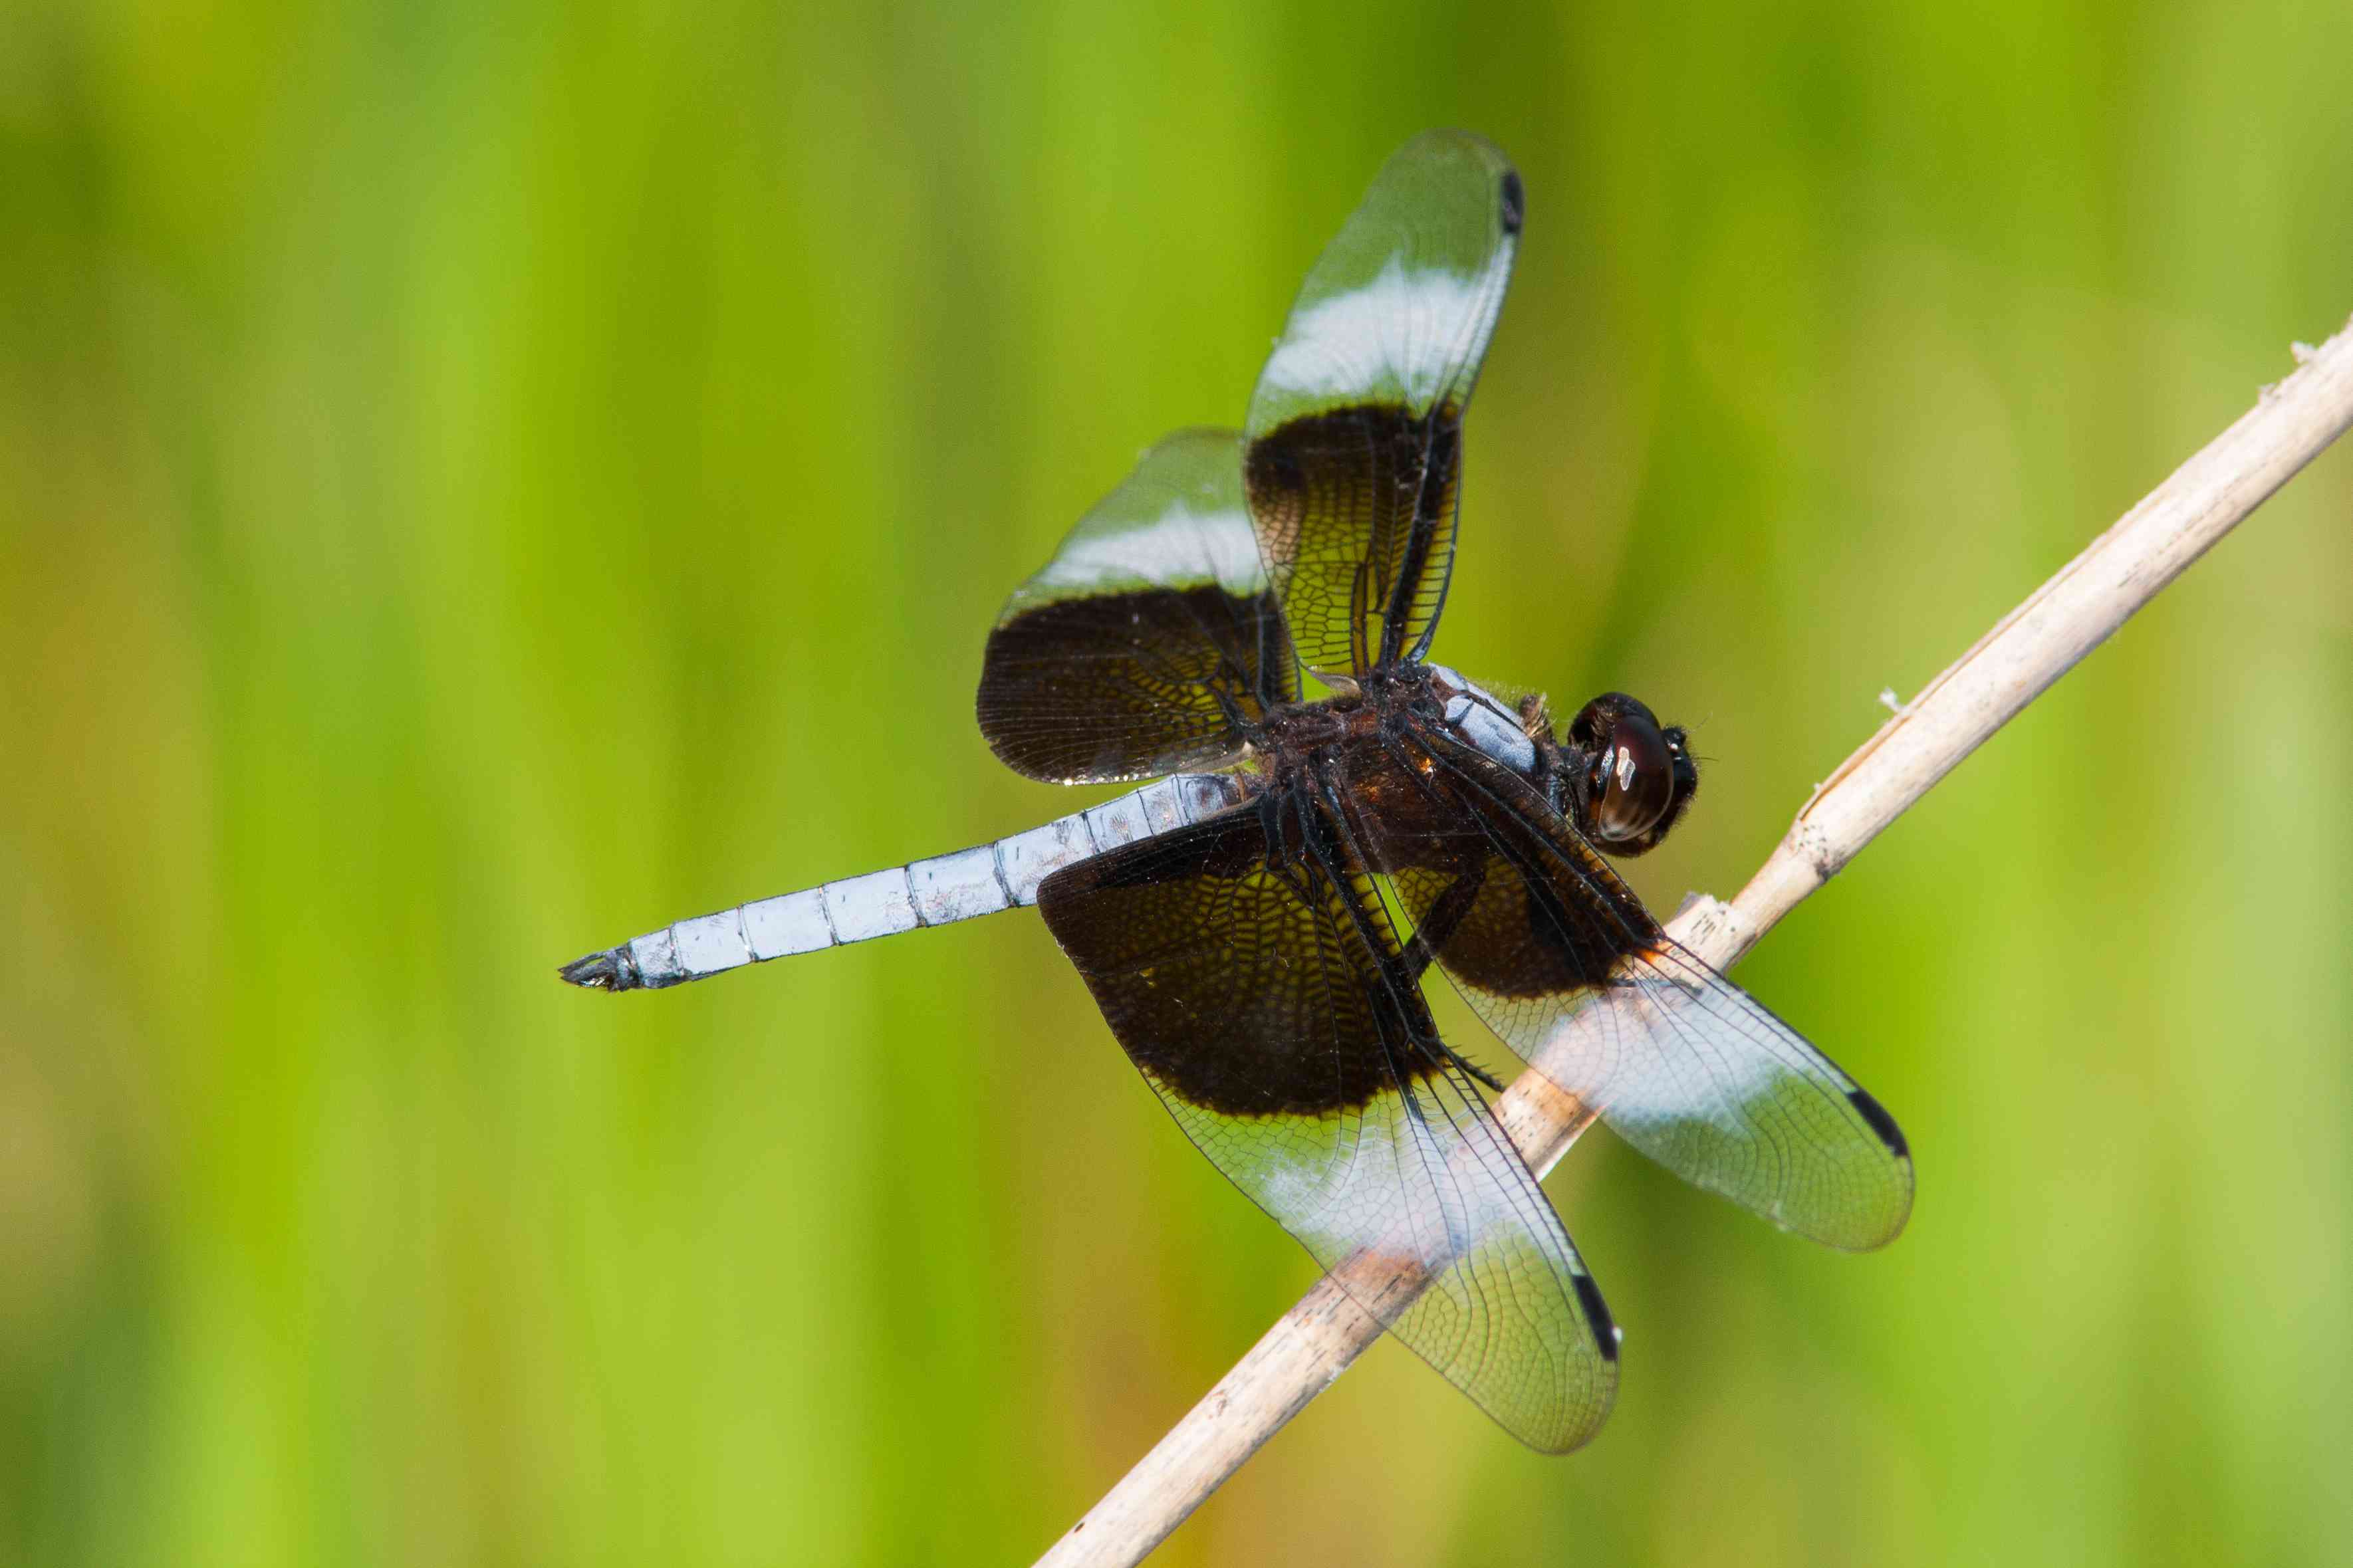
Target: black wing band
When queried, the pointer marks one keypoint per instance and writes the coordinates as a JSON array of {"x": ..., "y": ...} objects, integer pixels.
[
  {"x": 1550, "y": 948},
  {"x": 1354, "y": 462},
  {"x": 1245, "y": 965},
  {"x": 1150, "y": 640}
]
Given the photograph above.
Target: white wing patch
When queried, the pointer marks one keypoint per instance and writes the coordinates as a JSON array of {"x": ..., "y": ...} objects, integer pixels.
[
  {"x": 1399, "y": 334},
  {"x": 1182, "y": 545}
]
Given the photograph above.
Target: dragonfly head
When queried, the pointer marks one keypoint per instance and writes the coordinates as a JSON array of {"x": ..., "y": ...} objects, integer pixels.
[{"x": 1633, "y": 776}]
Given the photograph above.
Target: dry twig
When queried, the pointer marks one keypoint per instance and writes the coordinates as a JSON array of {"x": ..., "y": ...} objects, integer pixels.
[{"x": 2010, "y": 666}]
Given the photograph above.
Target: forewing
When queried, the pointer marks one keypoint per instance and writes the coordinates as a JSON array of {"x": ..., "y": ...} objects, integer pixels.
[
  {"x": 1562, "y": 960},
  {"x": 1239, "y": 970},
  {"x": 1133, "y": 652},
  {"x": 1354, "y": 431}
]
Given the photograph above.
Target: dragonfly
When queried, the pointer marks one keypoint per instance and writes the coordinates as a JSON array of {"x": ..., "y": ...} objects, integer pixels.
[{"x": 1257, "y": 921}]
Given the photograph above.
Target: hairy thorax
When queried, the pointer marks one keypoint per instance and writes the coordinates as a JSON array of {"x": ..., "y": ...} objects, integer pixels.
[
  {"x": 1358, "y": 742},
  {"x": 1397, "y": 698}
]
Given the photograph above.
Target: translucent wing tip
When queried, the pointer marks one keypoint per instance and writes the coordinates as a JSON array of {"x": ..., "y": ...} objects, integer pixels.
[
  {"x": 611, "y": 970},
  {"x": 1896, "y": 1211}
]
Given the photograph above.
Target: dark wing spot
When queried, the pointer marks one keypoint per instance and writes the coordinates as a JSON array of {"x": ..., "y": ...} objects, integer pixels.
[
  {"x": 1881, "y": 1123},
  {"x": 1597, "y": 1315},
  {"x": 1124, "y": 684},
  {"x": 1515, "y": 200},
  {"x": 1355, "y": 513},
  {"x": 1232, "y": 969}
]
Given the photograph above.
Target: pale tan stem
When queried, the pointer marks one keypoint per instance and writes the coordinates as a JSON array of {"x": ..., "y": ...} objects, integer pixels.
[{"x": 2010, "y": 666}]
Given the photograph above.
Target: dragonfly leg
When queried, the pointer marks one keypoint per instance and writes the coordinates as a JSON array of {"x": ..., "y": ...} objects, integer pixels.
[{"x": 1446, "y": 913}]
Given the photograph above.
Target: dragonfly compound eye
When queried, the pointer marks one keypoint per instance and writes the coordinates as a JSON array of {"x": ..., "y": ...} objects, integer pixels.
[{"x": 1633, "y": 779}]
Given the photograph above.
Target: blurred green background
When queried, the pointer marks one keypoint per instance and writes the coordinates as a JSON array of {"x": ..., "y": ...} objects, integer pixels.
[{"x": 477, "y": 484}]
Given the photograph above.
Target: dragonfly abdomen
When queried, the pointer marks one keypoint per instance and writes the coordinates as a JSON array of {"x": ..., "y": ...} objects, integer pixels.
[{"x": 982, "y": 880}]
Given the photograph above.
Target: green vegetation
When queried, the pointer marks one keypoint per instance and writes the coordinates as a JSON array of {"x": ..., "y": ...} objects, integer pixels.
[{"x": 475, "y": 486}]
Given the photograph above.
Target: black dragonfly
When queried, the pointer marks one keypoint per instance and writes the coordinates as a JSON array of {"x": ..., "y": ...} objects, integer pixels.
[{"x": 1257, "y": 924}]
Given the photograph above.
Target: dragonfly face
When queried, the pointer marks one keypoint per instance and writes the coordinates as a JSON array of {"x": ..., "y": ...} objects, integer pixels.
[
  {"x": 1258, "y": 926},
  {"x": 1638, "y": 775}
]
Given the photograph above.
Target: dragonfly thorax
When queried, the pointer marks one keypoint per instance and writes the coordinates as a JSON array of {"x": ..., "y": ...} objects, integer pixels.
[{"x": 1516, "y": 735}]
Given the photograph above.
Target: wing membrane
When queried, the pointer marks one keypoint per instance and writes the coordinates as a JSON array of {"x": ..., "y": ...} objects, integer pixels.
[
  {"x": 1561, "y": 960},
  {"x": 1355, "y": 428},
  {"x": 1133, "y": 653},
  {"x": 1243, "y": 965}
]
